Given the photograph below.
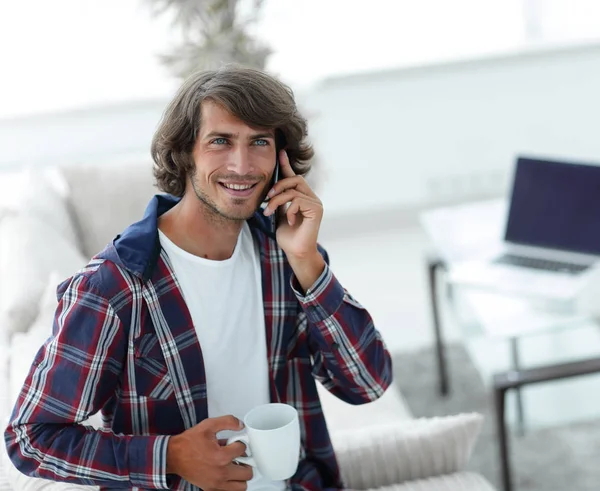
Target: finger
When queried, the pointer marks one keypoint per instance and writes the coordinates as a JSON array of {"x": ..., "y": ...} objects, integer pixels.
[
  {"x": 279, "y": 200},
  {"x": 291, "y": 213},
  {"x": 286, "y": 197},
  {"x": 214, "y": 425},
  {"x": 303, "y": 207},
  {"x": 234, "y": 486},
  {"x": 231, "y": 486},
  {"x": 296, "y": 182},
  {"x": 237, "y": 472},
  {"x": 234, "y": 450},
  {"x": 284, "y": 164}
]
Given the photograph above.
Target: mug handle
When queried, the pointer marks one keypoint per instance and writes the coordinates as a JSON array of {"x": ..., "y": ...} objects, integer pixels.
[{"x": 248, "y": 460}]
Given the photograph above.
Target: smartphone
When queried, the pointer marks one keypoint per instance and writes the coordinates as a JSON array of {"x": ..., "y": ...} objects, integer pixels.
[
  {"x": 275, "y": 179},
  {"x": 280, "y": 142}
]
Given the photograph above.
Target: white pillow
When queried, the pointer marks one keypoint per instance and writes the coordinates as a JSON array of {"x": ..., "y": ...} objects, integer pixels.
[
  {"x": 5, "y": 400},
  {"x": 105, "y": 199},
  {"x": 30, "y": 249},
  {"x": 43, "y": 194},
  {"x": 383, "y": 455},
  {"x": 39, "y": 195},
  {"x": 25, "y": 345}
]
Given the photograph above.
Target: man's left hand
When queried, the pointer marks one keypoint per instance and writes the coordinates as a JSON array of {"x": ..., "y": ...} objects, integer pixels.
[{"x": 299, "y": 215}]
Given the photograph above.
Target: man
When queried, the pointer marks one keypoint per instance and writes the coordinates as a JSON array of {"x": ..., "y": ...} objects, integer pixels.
[{"x": 198, "y": 312}]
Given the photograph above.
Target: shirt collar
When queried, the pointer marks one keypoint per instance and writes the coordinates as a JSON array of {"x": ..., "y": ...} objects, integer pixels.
[{"x": 138, "y": 248}]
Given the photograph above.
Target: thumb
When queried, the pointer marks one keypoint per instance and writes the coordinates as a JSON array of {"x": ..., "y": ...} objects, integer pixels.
[{"x": 230, "y": 422}]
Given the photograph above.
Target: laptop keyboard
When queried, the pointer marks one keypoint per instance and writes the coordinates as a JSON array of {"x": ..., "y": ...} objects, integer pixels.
[{"x": 545, "y": 264}]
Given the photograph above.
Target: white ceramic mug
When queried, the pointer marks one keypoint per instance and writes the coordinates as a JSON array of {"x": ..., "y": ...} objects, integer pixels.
[{"x": 272, "y": 439}]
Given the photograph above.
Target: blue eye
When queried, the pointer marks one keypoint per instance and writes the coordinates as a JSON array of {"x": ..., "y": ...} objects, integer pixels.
[
  {"x": 261, "y": 143},
  {"x": 220, "y": 141}
]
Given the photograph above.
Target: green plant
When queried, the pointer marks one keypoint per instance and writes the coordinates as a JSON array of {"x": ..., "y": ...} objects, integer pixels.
[{"x": 213, "y": 32}]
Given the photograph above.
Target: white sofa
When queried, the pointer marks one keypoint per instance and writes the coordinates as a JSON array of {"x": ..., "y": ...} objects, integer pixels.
[{"x": 60, "y": 217}]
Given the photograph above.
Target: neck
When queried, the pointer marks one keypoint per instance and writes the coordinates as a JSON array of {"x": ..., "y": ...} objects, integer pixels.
[{"x": 197, "y": 229}]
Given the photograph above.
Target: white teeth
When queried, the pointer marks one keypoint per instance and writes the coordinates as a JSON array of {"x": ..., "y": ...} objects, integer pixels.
[{"x": 238, "y": 187}]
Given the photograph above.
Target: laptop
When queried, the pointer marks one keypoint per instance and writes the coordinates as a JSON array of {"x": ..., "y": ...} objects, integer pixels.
[{"x": 551, "y": 246}]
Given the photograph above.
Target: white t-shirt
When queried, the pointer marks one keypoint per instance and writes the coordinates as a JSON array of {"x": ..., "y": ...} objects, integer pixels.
[{"x": 225, "y": 301}]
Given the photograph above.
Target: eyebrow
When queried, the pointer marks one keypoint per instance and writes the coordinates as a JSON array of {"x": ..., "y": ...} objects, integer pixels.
[{"x": 233, "y": 136}]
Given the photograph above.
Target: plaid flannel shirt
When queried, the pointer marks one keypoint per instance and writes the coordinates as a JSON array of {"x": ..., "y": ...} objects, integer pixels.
[{"x": 123, "y": 343}]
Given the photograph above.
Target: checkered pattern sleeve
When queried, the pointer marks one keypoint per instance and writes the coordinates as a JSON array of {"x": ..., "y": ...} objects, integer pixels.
[
  {"x": 73, "y": 375},
  {"x": 349, "y": 356}
]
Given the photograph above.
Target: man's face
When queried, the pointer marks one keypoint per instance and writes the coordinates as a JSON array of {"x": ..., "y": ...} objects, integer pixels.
[{"x": 234, "y": 163}]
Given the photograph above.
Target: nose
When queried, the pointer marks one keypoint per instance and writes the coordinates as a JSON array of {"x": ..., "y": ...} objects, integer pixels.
[{"x": 240, "y": 161}]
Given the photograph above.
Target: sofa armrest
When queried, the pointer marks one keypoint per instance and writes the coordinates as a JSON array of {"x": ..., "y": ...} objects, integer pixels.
[{"x": 385, "y": 455}]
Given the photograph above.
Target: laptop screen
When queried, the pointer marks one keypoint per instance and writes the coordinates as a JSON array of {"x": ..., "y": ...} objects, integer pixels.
[{"x": 555, "y": 205}]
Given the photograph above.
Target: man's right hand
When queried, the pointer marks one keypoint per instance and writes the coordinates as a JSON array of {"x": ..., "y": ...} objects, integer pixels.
[{"x": 197, "y": 456}]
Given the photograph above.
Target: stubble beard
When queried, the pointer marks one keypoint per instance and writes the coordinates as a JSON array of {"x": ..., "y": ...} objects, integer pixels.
[{"x": 212, "y": 210}]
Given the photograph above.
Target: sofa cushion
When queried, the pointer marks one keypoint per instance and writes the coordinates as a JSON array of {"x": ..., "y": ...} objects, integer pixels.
[
  {"x": 386, "y": 454},
  {"x": 25, "y": 345},
  {"x": 30, "y": 249},
  {"x": 459, "y": 481},
  {"x": 5, "y": 400},
  {"x": 44, "y": 195},
  {"x": 341, "y": 416},
  {"x": 41, "y": 193},
  {"x": 105, "y": 199}
]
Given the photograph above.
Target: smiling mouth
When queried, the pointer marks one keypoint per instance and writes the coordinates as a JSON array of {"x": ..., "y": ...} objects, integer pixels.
[
  {"x": 238, "y": 190},
  {"x": 237, "y": 187}
]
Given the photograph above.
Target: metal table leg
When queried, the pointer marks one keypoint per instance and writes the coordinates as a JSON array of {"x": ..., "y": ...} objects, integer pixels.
[
  {"x": 512, "y": 380},
  {"x": 516, "y": 366},
  {"x": 505, "y": 471},
  {"x": 433, "y": 265}
]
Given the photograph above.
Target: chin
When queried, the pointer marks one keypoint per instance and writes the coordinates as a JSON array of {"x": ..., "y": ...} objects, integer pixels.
[{"x": 237, "y": 213}]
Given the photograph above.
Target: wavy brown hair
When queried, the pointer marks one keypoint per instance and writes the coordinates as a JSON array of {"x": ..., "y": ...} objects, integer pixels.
[{"x": 251, "y": 95}]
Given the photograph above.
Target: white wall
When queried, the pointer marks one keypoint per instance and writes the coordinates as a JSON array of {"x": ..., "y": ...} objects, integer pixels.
[
  {"x": 406, "y": 138},
  {"x": 418, "y": 136},
  {"x": 86, "y": 135}
]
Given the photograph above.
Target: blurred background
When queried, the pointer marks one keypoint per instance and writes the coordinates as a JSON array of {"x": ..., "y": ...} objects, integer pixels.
[{"x": 414, "y": 107}]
